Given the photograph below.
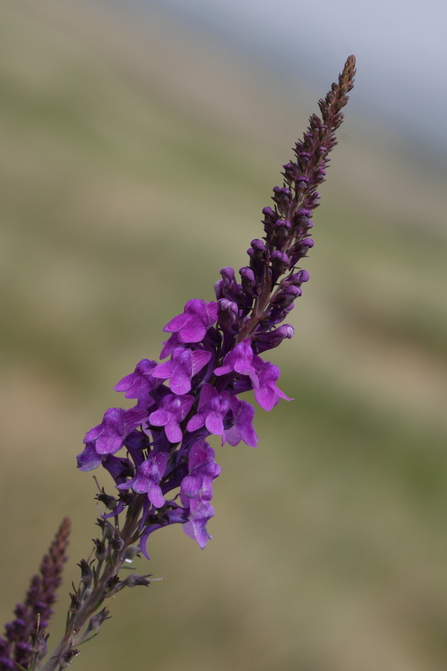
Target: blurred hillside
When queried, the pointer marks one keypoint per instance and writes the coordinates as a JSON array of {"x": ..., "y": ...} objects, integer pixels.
[{"x": 136, "y": 159}]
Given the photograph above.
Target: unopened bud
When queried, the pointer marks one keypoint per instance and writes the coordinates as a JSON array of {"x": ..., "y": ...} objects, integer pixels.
[
  {"x": 228, "y": 312},
  {"x": 97, "y": 620},
  {"x": 133, "y": 580},
  {"x": 248, "y": 281},
  {"x": 101, "y": 550},
  {"x": 86, "y": 572},
  {"x": 110, "y": 502}
]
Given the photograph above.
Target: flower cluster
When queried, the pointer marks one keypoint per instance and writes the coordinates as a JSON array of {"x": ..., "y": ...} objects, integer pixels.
[
  {"x": 214, "y": 353},
  {"x": 179, "y": 403}
]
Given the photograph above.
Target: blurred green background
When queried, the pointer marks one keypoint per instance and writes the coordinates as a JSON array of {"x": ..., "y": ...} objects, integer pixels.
[{"x": 136, "y": 159}]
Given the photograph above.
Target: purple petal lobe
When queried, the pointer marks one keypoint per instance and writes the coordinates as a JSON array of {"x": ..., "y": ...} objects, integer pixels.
[{"x": 199, "y": 359}]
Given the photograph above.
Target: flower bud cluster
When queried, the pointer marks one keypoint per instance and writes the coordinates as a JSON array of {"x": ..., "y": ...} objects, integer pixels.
[{"x": 157, "y": 451}]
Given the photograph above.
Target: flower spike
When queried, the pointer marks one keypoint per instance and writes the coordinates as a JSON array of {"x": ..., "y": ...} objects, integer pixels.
[{"x": 215, "y": 350}]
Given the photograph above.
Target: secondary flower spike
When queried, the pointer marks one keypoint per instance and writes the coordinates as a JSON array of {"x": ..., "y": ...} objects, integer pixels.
[
  {"x": 157, "y": 451},
  {"x": 25, "y": 637}
]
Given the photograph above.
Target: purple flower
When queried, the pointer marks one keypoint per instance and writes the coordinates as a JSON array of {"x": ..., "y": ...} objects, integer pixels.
[
  {"x": 183, "y": 365},
  {"x": 238, "y": 360},
  {"x": 263, "y": 375},
  {"x": 117, "y": 424},
  {"x": 266, "y": 392},
  {"x": 172, "y": 411},
  {"x": 89, "y": 459},
  {"x": 140, "y": 382},
  {"x": 202, "y": 471},
  {"x": 192, "y": 325},
  {"x": 240, "y": 426},
  {"x": 147, "y": 478},
  {"x": 196, "y": 491},
  {"x": 170, "y": 345},
  {"x": 119, "y": 469},
  {"x": 199, "y": 514},
  {"x": 212, "y": 409}
]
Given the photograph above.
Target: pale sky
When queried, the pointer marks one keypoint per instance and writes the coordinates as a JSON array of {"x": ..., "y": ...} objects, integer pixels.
[{"x": 400, "y": 45}]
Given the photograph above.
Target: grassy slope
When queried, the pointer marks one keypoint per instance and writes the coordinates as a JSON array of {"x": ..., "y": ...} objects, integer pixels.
[{"x": 135, "y": 162}]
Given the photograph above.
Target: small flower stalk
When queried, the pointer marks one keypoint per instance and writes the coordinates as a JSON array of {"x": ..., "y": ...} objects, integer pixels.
[{"x": 157, "y": 451}]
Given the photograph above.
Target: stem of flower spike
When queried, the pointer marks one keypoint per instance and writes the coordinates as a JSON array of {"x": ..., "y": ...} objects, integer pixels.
[{"x": 97, "y": 585}]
